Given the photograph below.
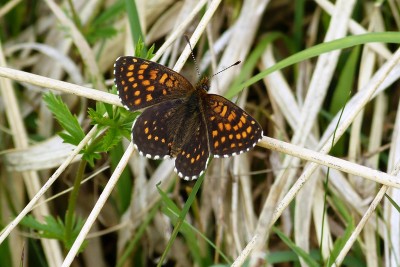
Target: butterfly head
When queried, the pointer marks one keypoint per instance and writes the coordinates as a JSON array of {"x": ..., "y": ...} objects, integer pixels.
[{"x": 204, "y": 84}]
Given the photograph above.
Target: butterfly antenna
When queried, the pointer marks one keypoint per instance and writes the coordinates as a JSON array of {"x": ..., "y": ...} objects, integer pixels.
[
  {"x": 197, "y": 67},
  {"x": 234, "y": 64},
  {"x": 191, "y": 52}
]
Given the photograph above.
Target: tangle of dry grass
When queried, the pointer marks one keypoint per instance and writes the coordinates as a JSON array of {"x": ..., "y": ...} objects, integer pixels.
[{"x": 283, "y": 202}]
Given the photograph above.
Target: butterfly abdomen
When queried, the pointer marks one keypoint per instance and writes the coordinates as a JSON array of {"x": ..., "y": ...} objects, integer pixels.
[{"x": 185, "y": 123}]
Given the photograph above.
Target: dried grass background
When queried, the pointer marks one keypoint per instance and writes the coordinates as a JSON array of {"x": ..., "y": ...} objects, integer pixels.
[{"x": 265, "y": 206}]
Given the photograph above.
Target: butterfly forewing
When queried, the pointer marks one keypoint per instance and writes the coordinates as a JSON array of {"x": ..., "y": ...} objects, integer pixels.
[
  {"x": 142, "y": 83},
  {"x": 152, "y": 132},
  {"x": 193, "y": 158},
  {"x": 231, "y": 130}
]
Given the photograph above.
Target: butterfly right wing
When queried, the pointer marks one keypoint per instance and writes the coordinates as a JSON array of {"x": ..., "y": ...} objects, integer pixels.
[
  {"x": 142, "y": 83},
  {"x": 231, "y": 130}
]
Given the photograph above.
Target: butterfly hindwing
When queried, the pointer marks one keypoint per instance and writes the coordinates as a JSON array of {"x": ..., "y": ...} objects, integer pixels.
[
  {"x": 192, "y": 160},
  {"x": 231, "y": 130},
  {"x": 142, "y": 83},
  {"x": 152, "y": 132}
]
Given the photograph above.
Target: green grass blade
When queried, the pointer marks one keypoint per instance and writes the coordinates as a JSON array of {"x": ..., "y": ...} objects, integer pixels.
[{"x": 346, "y": 42}]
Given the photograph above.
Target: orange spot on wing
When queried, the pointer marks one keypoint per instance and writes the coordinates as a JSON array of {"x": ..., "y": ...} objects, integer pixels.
[
  {"x": 231, "y": 116},
  {"x": 169, "y": 83},
  {"x": 163, "y": 78},
  {"x": 214, "y": 133},
  {"x": 216, "y": 144},
  {"x": 153, "y": 74},
  {"x": 224, "y": 110},
  {"x": 217, "y": 109}
]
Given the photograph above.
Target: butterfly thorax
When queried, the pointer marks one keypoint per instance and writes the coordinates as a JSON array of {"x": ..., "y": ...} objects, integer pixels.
[{"x": 188, "y": 121}]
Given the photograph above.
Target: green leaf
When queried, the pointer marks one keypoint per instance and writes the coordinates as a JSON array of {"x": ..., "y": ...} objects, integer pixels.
[
  {"x": 138, "y": 235},
  {"x": 118, "y": 123},
  {"x": 100, "y": 27},
  {"x": 110, "y": 13},
  {"x": 252, "y": 60},
  {"x": 74, "y": 133},
  {"x": 346, "y": 81},
  {"x": 296, "y": 249},
  {"x": 54, "y": 229},
  {"x": 150, "y": 53},
  {"x": 134, "y": 25},
  {"x": 99, "y": 119},
  {"x": 100, "y": 33},
  {"x": 119, "y": 118},
  {"x": 340, "y": 243},
  {"x": 124, "y": 185},
  {"x": 125, "y": 123},
  {"x": 5, "y": 254},
  {"x": 111, "y": 138},
  {"x": 393, "y": 202},
  {"x": 90, "y": 156}
]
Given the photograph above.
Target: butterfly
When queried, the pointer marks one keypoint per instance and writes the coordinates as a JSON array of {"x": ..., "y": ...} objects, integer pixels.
[{"x": 181, "y": 121}]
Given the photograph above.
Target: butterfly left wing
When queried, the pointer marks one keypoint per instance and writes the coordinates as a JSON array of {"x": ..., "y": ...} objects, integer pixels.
[
  {"x": 142, "y": 83},
  {"x": 231, "y": 130},
  {"x": 154, "y": 134},
  {"x": 152, "y": 131}
]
